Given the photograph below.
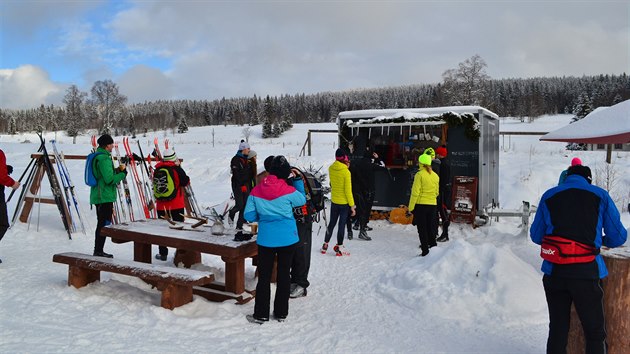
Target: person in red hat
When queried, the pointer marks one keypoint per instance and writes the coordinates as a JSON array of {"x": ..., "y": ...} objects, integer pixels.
[{"x": 444, "y": 198}]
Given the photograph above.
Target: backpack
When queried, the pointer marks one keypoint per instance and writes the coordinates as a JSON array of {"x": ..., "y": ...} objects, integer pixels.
[
  {"x": 165, "y": 183},
  {"x": 314, "y": 197},
  {"x": 88, "y": 175}
]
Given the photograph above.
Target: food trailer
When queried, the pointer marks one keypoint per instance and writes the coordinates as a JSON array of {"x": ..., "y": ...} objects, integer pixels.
[{"x": 399, "y": 136}]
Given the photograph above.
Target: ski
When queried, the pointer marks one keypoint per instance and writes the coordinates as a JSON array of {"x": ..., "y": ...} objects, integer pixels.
[
  {"x": 54, "y": 185},
  {"x": 125, "y": 187},
  {"x": 61, "y": 161},
  {"x": 148, "y": 184},
  {"x": 136, "y": 177}
]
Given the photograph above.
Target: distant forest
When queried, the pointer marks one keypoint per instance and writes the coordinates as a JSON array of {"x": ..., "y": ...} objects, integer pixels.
[{"x": 106, "y": 109}]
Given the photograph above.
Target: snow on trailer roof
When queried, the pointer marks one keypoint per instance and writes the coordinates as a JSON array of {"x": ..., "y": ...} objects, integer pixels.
[{"x": 411, "y": 113}]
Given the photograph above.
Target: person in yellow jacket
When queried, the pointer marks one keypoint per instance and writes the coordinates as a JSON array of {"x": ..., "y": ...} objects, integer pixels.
[
  {"x": 342, "y": 202},
  {"x": 423, "y": 202}
]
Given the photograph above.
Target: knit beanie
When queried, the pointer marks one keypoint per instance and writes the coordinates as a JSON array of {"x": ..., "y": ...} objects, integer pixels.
[
  {"x": 583, "y": 171},
  {"x": 243, "y": 145},
  {"x": 169, "y": 155},
  {"x": 280, "y": 167},
  {"x": 441, "y": 151},
  {"x": 340, "y": 155},
  {"x": 267, "y": 163},
  {"x": 251, "y": 154},
  {"x": 576, "y": 161},
  {"x": 105, "y": 140},
  {"x": 425, "y": 159}
]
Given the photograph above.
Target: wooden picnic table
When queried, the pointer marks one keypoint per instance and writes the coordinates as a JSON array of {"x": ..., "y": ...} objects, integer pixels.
[{"x": 190, "y": 245}]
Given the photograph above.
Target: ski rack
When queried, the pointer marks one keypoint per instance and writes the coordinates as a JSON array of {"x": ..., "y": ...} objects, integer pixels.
[{"x": 33, "y": 184}]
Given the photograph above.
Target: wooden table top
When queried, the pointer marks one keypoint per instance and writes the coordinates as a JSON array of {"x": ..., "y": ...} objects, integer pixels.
[{"x": 157, "y": 232}]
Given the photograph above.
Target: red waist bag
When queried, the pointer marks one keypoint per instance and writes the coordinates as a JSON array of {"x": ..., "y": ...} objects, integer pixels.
[{"x": 560, "y": 250}]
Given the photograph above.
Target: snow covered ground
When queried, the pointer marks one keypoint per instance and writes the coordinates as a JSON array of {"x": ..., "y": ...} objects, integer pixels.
[{"x": 479, "y": 293}]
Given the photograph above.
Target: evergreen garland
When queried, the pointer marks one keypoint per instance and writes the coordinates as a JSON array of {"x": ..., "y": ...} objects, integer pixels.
[{"x": 468, "y": 120}]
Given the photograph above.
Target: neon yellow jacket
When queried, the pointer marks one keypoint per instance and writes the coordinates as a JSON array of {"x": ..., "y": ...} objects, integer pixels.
[
  {"x": 425, "y": 189},
  {"x": 340, "y": 184}
]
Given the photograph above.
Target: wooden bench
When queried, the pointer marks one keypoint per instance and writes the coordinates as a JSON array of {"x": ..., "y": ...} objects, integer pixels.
[{"x": 176, "y": 284}]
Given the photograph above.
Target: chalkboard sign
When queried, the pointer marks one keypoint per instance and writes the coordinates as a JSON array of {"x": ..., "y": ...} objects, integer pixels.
[
  {"x": 463, "y": 153},
  {"x": 464, "y": 199}
]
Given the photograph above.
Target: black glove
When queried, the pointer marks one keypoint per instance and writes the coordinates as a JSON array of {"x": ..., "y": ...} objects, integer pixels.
[
  {"x": 137, "y": 158},
  {"x": 9, "y": 169}
]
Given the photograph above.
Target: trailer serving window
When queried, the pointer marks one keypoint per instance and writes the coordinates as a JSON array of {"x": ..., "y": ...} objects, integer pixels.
[{"x": 398, "y": 144}]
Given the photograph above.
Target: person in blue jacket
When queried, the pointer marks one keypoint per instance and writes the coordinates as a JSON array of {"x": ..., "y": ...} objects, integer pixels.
[
  {"x": 271, "y": 204},
  {"x": 577, "y": 212}
]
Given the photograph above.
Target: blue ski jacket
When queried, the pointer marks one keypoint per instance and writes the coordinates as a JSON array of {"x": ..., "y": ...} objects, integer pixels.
[
  {"x": 271, "y": 203},
  {"x": 578, "y": 211}
]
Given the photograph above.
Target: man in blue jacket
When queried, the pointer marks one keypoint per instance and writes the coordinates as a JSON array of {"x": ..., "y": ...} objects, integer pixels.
[{"x": 568, "y": 226}]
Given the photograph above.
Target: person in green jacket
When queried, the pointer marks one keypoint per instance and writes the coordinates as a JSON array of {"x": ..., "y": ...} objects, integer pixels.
[
  {"x": 103, "y": 195},
  {"x": 423, "y": 202}
]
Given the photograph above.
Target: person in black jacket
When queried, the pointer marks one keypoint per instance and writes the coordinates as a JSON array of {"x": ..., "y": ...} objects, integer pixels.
[
  {"x": 364, "y": 188},
  {"x": 444, "y": 198},
  {"x": 242, "y": 182}
]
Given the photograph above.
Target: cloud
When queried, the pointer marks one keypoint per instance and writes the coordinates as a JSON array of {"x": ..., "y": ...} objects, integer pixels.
[
  {"x": 28, "y": 86},
  {"x": 142, "y": 83},
  {"x": 209, "y": 50}
]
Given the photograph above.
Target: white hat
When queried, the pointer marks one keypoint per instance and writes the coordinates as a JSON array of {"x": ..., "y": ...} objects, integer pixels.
[
  {"x": 169, "y": 155},
  {"x": 251, "y": 154},
  {"x": 242, "y": 146}
]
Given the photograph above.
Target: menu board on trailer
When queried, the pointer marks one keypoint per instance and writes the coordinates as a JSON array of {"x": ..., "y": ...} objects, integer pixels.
[{"x": 464, "y": 199}]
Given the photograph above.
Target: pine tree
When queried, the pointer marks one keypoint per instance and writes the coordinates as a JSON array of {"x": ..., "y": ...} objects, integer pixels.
[{"x": 582, "y": 108}]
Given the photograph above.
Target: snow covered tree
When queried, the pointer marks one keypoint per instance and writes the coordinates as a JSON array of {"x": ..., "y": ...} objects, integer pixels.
[
  {"x": 74, "y": 111},
  {"x": 108, "y": 103},
  {"x": 582, "y": 108},
  {"x": 617, "y": 99},
  {"x": 268, "y": 128},
  {"x": 12, "y": 125},
  {"x": 182, "y": 126},
  {"x": 467, "y": 84}
]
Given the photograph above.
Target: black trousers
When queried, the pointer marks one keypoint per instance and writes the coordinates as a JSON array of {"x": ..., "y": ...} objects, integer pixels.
[
  {"x": 443, "y": 215},
  {"x": 338, "y": 212},
  {"x": 302, "y": 256},
  {"x": 425, "y": 218},
  {"x": 266, "y": 257},
  {"x": 104, "y": 213},
  {"x": 587, "y": 295},
  {"x": 4, "y": 215},
  {"x": 240, "y": 200},
  {"x": 176, "y": 215}
]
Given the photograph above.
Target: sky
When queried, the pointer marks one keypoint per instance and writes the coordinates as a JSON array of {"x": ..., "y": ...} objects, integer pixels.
[
  {"x": 481, "y": 292},
  {"x": 213, "y": 49}
]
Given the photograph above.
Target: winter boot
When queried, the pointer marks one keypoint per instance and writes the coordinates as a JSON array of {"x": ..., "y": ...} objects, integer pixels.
[
  {"x": 256, "y": 320},
  {"x": 350, "y": 234},
  {"x": 324, "y": 248},
  {"x": 340, "y": 251},
  {"x": 442, "y": 238},
  {"x": 102, "y": 254},
  {"x": 363, "y": 235},
  {"x": 297, "y": 291}
]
